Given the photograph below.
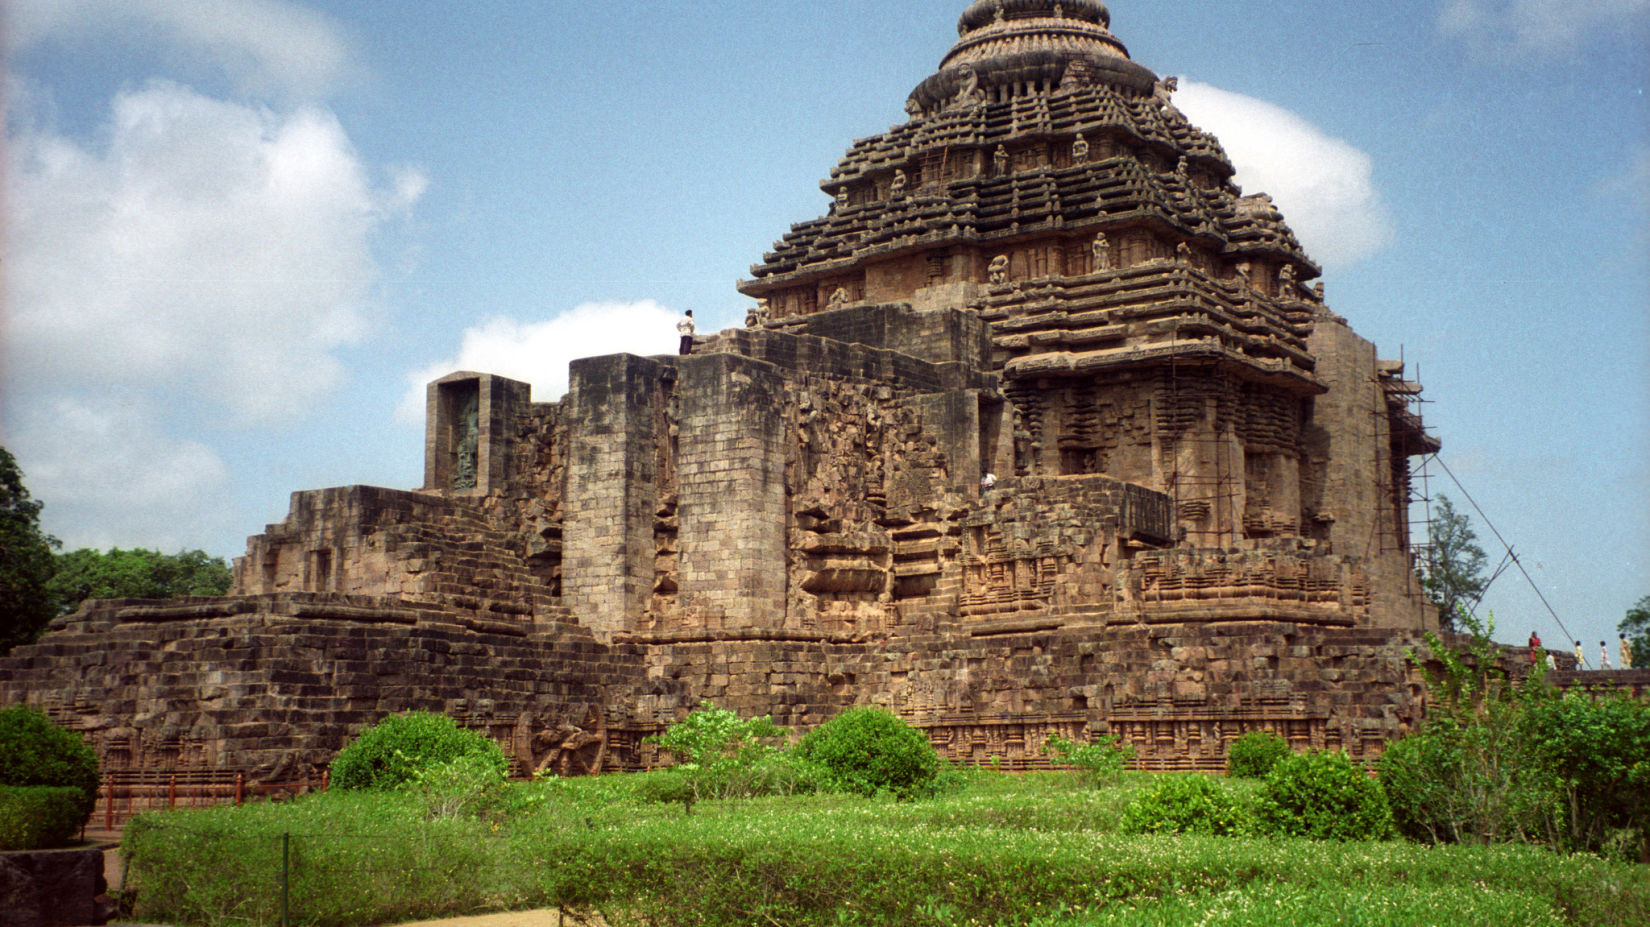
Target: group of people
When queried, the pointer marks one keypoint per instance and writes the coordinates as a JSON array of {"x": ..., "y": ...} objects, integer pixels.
[{"x": 1624, "y": 651}]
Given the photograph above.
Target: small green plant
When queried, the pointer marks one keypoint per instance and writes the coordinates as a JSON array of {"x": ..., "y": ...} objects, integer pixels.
[
  {"x": 34, "y": 751},
  {"x": 1253, "y": 755},
  {"x": 867, "y": 750},
  {"x": 1325, "y": 796},
  {"x": 720, "y": 755},
  {"x": 1102, "y": 760},
  {"x": 35, "y": 817},
  {"x": 463, "y": 787},
  {"x": 396, "y": 750},
  {"x": 1186, "y": 803}
]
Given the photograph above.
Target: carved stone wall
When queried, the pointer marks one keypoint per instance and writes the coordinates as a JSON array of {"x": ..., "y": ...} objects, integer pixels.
[{"x": 1039, "y": 429}]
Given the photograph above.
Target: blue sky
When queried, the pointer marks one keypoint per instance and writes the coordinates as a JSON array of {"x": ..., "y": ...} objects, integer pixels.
[{"x": 240, "y": 234}]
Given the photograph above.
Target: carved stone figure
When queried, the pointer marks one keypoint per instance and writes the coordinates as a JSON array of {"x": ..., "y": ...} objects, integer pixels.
[
  {"x": 1022, "y": 446},
  {"x": 969, "y": 96},
  {"x": 1287, "y": 287},
  {"x": 1183, "y": 253},
  {"x": 1080, "y": 149},
  {"x": 999, "y": 160},
  {"x": 839, "y": 298},
  {"x": 469, "y": 437},
  {"x": 1100, "y": 251},
  {"x": 897, "y": 188},
  {"x": 997, "y": 271},
  {"x": 842, "y": 197}
]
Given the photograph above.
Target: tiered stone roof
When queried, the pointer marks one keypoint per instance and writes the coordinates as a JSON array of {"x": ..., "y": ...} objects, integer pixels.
[{"x": 1037, "y": 134}]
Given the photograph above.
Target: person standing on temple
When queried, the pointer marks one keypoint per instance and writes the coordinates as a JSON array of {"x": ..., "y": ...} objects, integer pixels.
[
  {"x": 1604, "y": 655},
  {"x": 685, "y": 329},
  {"x": 1535, "y": 648},
  {"x": 1581, "y": 661},
  {"x": 1626, "y": 653}
]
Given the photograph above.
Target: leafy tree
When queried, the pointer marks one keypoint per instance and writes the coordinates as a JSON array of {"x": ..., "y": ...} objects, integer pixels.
[
  {"x": 1455, "y": 576},
  {"x": 1637, "y": 628},
  {"x": 26, "y": 605},
  {"x": 35, "y": 751},
  {"x": 136, "y": 574}
]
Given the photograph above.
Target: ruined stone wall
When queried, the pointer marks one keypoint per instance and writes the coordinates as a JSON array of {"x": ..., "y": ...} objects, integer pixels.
[
  {"x": 1349, "y": 495},
  {"x": 273, "y": 686},
  {"x": 1179, "y": 693},
  {"x": 617, "y": 484},
  {"x": 733, "y": 508},
  {"x": 365, "y": 540}
]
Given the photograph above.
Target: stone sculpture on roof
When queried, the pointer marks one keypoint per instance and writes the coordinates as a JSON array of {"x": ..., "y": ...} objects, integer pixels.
[{"x": 1203, "y": 531}]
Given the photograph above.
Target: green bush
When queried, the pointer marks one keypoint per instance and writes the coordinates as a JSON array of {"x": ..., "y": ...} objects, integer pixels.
[
  {"x": 468, "y": 786},
  {"x": 35, "y": 817},
  {"x": 867, "y": 750},
  {"x": 393, "y": 752},
  {"x": 1253, "y": 755},
  {"x": 1186, "y": 803},
  {"x": 1595, "y": 754},
  {"x": 1101, "y": 761},
  {"x": 720, "y": 755},
  {"x": 1419, "y": 775},
  {"x": 34, "y": 751},
  {"x": 1501, "y": 759},
  {"x": 1325, "y": 796}
]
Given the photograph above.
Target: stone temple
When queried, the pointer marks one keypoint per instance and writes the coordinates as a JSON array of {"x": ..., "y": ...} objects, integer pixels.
[{"x": 1042, "y": 428}]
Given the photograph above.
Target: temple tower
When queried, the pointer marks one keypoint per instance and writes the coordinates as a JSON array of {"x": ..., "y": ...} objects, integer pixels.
[{"x": 1150, "y": 322}]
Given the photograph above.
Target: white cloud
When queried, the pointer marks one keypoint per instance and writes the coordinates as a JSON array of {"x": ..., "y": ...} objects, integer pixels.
[
  {"x": 111, "y": 475},
  {"x": 539, "y": 352},
  {"x": 209, "y": 247},
  {"x": 264, "y": 46},
  {"x": 1324, "y": 185},
  {"x": 1546, "y": 27}
]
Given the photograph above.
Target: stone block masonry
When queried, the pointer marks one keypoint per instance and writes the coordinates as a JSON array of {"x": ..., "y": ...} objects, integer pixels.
[{"x": 1040, "y": 429}]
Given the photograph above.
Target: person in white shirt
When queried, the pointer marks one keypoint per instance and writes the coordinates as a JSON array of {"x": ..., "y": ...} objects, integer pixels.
[{"x": 685, "y": 329}]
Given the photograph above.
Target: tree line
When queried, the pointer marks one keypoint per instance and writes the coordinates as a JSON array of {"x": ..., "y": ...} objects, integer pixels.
[{"x": 37, "y": 583}]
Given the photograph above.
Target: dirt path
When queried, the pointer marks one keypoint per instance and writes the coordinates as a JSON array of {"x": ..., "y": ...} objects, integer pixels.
[{"x": 546, "y": 918}]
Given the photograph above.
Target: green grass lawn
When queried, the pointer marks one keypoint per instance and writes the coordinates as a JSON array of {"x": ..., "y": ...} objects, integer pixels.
[{"x": 1036, "y": 849}]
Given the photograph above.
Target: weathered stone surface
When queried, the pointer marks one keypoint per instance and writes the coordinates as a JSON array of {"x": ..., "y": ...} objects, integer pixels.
[
  {"x": 52, "y": 888},
  {"x": 1039, "y": 430}
]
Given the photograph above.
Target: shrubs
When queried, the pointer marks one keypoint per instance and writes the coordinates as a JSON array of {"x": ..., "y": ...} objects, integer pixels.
[
  {"x": 867, "y": 750},
  {"x": 396, "y": 750},
  {"x": 719, "y": 755},
  {"x": 1100, "y": 761},
  {"x": 1323, "y": 795},
  {"x": 1189, "y": 803},
  {"x": 1514, "y": 760},
  {"x": 34, "y": 751},
  {"x": 35, "y": 817},
  {"x": 1253, "y": 755},
  {"x": 1420, "y": 775}
]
